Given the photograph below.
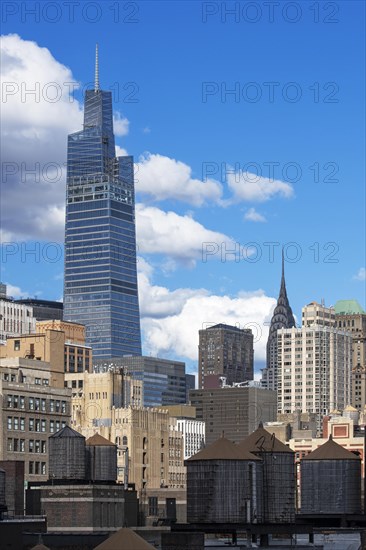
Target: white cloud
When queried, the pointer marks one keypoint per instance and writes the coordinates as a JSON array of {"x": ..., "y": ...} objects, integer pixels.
[
  {"x": 251, "y": 187},
  {"x": 161, "y": 178},
  {"x": 33, "y": 145},
  {"x": 253, "y": 216},
  {"x": 178, "y": 237},
  {"x": 120, "y": 152},
  {"x": 171, "y": 319},
  {"x": 34, "y": 133},
  {"x": 16, "y": 291},
  {"x": 120, "y": 124},
  {"x": 361, "y": 274}
]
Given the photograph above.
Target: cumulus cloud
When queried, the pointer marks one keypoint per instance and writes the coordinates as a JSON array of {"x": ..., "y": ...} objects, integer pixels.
[
  {"x": 178, "y": 237},
  {"x": 39, "y": 110},
  {"x": 171, "y": 319},
  {"x": 360, "y": 275},
  {"x": 249, "y": 187},
  {"x": 253, "y": 216},
  {"x": 120, "y": 124},
  {"x": 160, "y": 178},
  {"x": 16, "y": 291}
]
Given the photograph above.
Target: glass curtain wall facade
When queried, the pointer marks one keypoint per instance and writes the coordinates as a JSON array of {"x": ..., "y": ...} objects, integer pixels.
[{"x": 100, "y": 289}]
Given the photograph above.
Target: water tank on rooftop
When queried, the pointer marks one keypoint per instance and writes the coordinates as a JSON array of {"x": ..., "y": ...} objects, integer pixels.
[
  {"x": 331, "y": 481},
  {"x": 222, "y": 485},
  {"x": 101, "y": 459},
  {"x": 66, "y": 455},
  {"x": 279, "y": 481}
]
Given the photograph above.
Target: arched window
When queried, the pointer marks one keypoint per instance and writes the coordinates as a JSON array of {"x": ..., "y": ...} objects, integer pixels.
[{"x": 125, "y": 440}]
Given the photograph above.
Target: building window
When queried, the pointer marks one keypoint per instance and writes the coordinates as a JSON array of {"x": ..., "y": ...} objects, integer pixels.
[
  {"x": 153, "y": 506},
  {"x": 16, "y": 345},
  {"x": 43, "y": 468},
  {"x": 31, "y": 445},
  {"x": 43, "y": 447},
  {"x": 52, "y": 426},
  {"x": 10, "y": 422},
  {"x": 37, "y": 468},
  {"x": 37, "y": 381},
  {"x": 31, "y": 403},
  {"x": 10, "y": 444},
  {"x": 22, "y": 424},
  {"x": 22, "y": 445},
  {"x": 31, "y": 424},
  {"x": 43, "y": 425}
]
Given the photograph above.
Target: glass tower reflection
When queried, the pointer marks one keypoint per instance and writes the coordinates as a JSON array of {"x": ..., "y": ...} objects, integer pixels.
[{"x": 100, "y": 289}]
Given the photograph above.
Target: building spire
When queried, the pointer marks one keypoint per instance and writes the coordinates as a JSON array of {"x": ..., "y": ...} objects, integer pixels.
[
  {"x": 283, "y": 282},
  {"x": 96, "y": 80}
]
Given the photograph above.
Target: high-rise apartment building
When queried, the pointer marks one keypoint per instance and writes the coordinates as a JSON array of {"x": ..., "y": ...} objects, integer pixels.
[
  {"x": 225, "y": 350},
  {"x": 100, "y": 289},
  {"x": 314, "y": 370},
  {"x": 282, "y": 318},
  {"x": 350, "y": 316}
]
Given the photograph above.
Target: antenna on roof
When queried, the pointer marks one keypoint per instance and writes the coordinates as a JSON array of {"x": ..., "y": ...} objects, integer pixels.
[{"x": 96, "y": 80}]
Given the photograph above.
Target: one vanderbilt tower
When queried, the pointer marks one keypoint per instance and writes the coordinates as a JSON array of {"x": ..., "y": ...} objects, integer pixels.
[{"x": 100, "y": 241}]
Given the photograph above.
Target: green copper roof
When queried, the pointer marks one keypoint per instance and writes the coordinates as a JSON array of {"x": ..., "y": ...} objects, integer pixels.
[{"x": 348, "y": 307}]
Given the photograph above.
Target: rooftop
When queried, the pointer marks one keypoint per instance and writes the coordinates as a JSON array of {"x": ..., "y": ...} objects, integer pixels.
[
  {"x": 263, "y": 441},
  {"x": 348, "y": 307}
]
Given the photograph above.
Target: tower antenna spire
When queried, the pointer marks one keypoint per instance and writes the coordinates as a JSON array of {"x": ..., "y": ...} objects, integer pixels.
[{"x": 96, "y": 80}]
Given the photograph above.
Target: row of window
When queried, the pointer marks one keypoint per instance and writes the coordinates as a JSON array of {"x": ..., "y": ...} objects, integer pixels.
[
  {"x": 34, "y": 424},
  {"x": 19, "y": 445},
  {"x": 35, "y": 403},
  {"x": 23, "y": 379},
  {"x": 37, "y": 468}
]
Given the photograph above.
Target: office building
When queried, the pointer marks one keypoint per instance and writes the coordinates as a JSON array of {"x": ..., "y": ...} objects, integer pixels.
[
  {"x": 225, "y": 350},
  {"x": 192, "y": 430},
  {"x": 95, "y": 394},
  {"x": 282, "y": 318},
  {"x": 314, "y": 370},
  {"x": 350, "y": 316},
  {"x": 15, "y": 319},
  {"x": 318, "y": 314},
  {"x": 164, "y": 381},
  {"x": 43, "y": 310},
  {"x": 234, "y": 410},
  {"x": 34, "y": 405},
  {"x": 100, "y": 289}
]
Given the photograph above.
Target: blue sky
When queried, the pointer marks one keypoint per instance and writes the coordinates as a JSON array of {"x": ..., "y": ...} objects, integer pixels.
[{"x": 292, "y": 137}]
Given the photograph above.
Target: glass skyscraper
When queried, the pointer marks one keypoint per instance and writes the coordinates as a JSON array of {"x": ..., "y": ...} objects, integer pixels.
[{"x": 100, "y": 289}]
